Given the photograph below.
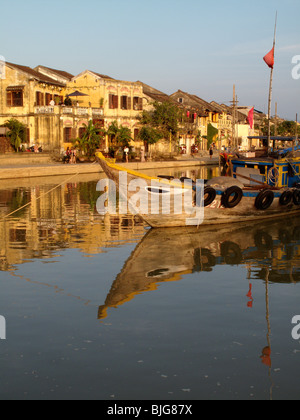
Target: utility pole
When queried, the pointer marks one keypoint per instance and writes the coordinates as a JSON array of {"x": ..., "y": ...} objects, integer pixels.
[
  {"x": 270, "y": 90},
  {"x": 234, "y": 104},
  {"x": 275, "y": 119},
  {"x": 296, "y": 128}
]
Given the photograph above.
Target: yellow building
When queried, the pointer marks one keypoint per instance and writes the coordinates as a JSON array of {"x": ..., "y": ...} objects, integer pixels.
[
  {"x": 36, "y": 98},
  {"x": 30, "y": 97},
  {"x": 199, "y": 115},
  {"x": 104, "y": 100}
]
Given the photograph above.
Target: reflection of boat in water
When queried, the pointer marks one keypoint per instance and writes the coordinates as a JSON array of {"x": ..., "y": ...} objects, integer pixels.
[{"x": 169, "y": 254}]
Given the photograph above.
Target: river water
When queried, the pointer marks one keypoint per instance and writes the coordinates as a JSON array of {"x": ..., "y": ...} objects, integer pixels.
[{"x": 105, "y": 308}]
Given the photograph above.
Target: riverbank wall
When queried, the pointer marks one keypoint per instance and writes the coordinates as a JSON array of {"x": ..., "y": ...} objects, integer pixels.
[{"x": 41, "y": 166}]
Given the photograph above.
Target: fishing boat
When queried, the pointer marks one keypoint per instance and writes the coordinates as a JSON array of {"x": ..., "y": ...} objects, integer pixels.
[
  {"x": 221, "y": 200},
  {"x": 278, "y": 166}
]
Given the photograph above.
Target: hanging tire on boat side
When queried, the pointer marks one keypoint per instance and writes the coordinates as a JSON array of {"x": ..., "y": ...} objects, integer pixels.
[
  {"x": 264, "y": 200},
  {"x": 296, "y": 197},
  {"x": 286, "y": 197},
  {"x": 232, "y": 197},
  {"x": 209, "y": 195}
]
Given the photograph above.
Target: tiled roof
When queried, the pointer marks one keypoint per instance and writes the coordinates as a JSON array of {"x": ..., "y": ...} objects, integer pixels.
[
  {"x": 155, "y": 94},
  {"x": 62, "y": 73},
  {"x": 103, "y": 76},
  {"x": 193, "y": 101},
  {"x": 38, "y": 76}
]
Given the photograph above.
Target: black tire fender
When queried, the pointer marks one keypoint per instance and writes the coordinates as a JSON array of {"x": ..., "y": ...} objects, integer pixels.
[
  {"x": 209, "y": 195},
  {"x": 264, "y": 200},
  {"x": 286, "y": 197},
  {"x": 296, "y": 197},
  {"x": 232, "y": 197}
]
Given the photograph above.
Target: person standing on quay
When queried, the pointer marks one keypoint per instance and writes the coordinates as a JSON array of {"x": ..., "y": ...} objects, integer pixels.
[
  {"x": 73, "y": 156},
  {"x": 126, "y": 151}
]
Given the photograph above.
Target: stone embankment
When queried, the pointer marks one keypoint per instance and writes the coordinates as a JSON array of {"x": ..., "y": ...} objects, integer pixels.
[{"x": 40, "y": 165}]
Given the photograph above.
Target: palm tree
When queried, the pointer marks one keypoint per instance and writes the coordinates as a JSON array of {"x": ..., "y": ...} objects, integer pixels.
[
  {"x": 90, "y": 140},
  {"x": 17, "y": 132},
  {"x": 121, "y": 135}
]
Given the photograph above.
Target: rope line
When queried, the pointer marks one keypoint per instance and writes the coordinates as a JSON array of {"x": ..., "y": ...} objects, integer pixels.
[{"x": 42, "y": 195}]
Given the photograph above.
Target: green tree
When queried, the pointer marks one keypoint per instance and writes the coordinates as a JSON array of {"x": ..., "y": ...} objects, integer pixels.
[
  {"x": 150, "y": 135},
  {"x": 287, "y": 128},
  {"x": 120, "y": 135},
  {"x": 90, "y": 141},
  {"x": 17, "y": 133},
  {"x": 211, "y": 134},
  {"x": 160, "y": 122},
  {"x": 124, "y": 136},
  {"x": 265, "y": 128},
  {"x": 166, "y": 117}
]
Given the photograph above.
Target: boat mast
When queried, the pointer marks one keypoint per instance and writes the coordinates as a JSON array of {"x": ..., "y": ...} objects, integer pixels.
[
  {"x": 296, "y": 138},
  {"x": 234, "y": 120},
  {"x": 270, "y": 90}
]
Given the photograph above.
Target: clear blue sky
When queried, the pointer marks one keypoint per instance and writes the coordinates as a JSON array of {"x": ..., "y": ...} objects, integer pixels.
[{"x": 199, "y": 46}]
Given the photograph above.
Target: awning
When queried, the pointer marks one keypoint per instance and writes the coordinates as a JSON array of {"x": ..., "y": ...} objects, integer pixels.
[
  {"x": 15, "y": 88},
  {"x": 276, "y": 138}
]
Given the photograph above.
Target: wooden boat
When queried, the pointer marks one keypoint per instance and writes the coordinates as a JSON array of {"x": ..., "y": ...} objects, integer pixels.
[
  {"x": 278, "y": 166},
  {"x": 175, "y": 253},
  {"x": 220, "y": 200}
]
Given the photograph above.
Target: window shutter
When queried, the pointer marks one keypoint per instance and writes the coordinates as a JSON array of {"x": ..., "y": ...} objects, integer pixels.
[
  {"x": 128, "y": 102},
  {"x": 110, "y": 101},
  {"x": 115, "y": 102},
  {"x": 140, "y": 104},
  {"x": 9, "y": 98}
]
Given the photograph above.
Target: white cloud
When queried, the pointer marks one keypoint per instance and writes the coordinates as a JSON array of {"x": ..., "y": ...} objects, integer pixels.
[{"x": 295, "y": 47}]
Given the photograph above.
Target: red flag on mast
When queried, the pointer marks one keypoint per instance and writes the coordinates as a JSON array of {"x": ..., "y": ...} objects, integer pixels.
[
  {"x": 269, "y": 58},
  {"x": 251, "y": 117}
]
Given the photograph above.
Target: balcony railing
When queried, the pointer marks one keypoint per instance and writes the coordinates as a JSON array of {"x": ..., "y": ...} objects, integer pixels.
[
  {"x": 44, "y": 110},
  {"x": 97, "y": 112},
  {"x": 224, "y": 123},
  {"x": 69, "y": 110},
  {"x": 81, "y": 111}
]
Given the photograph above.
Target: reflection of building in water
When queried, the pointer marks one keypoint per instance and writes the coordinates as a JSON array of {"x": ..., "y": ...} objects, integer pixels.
[{"x": 63, "y": 218}]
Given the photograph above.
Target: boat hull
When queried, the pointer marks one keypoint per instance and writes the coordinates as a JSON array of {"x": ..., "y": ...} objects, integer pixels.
[{"x": 215, "y": 213}]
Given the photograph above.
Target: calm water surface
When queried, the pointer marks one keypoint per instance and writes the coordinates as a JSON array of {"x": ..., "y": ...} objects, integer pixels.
[{"x": 104, "y": 308}]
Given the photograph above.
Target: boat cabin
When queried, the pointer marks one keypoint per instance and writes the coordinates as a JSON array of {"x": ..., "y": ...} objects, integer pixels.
[{"x": 278, "y": 166}]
